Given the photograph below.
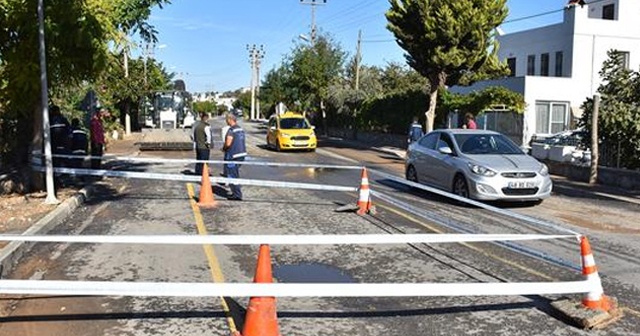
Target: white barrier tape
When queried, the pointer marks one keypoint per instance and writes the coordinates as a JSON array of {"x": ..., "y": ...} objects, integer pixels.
[
  {"x": 182, "y": 289},
  {"x": 191, "y": 178},
  {"x": 246, "y": 163},
  {"x": 459, "y": 227},
  {"x": 279, "y": 239},
  {"x": 475, "y": 203}
]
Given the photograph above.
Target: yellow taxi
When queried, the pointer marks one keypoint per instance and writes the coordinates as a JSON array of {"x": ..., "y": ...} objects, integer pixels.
[{"x": 291, "y": 130}]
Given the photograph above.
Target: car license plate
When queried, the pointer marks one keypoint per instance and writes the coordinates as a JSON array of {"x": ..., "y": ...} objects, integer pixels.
[{"x": 521, "y": 185}]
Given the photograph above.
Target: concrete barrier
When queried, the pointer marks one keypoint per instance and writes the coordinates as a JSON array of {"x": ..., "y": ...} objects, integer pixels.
[{"x": 621, "y": 178}]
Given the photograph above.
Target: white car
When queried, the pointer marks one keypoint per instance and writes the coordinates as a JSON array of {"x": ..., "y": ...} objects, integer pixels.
[{"x": 478, "y": 164}]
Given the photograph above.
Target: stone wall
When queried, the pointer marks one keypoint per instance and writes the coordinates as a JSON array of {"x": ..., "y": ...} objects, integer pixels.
[{"x": 621, "y": 178}]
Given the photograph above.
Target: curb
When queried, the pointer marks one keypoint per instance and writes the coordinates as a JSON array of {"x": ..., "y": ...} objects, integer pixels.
[{"x": 11, "y": 254}]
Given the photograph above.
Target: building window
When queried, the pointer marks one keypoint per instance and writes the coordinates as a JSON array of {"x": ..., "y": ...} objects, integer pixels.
[
  {"x": 559, "y": 60},
  {"x": 544, "y": 65},
  {"x": 609, "y": 12},
  {"x": 531, "y": 65},
  {"x": 623, "y": 58},
  {"x": 511, "y": 62},
  {"x": 551, "y": 117}
]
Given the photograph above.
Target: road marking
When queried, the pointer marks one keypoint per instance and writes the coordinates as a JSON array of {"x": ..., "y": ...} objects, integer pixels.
[
  {"x": 491, "y": 255},
  {"x": 214, "y": 264},
  {"x": 631, "y": 311}
]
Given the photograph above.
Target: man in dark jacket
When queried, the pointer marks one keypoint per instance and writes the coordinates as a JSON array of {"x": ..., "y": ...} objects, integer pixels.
[
  {"x": 234, "y": 150},
  {"x": 79, "y": 143},
  {"x": 415, "y": 131},
  {"x": 202, "y": 141},
  {"x": 60, "y": 132}
]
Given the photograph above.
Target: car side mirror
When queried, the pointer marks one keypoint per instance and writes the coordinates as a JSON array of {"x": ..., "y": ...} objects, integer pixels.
[
  {"x": 445, "y": 150},
  {"x": 313, "y": 127}
]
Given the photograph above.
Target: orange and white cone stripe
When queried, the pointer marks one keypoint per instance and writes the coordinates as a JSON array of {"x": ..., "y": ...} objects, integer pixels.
[
  {"x": 595, "y": 298},
  {"x": 364, "y": 199}
]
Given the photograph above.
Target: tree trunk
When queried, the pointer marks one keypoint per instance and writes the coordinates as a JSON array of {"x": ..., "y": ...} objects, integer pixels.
[{"x": 435, "y": 82}]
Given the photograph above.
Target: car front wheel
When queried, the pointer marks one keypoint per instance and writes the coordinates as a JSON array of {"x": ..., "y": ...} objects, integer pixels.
[
  {"x": 460, "y": 187},
  {"x": 411, "y": 174}
]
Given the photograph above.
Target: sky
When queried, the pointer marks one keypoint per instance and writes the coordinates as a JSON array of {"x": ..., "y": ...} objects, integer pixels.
[{"x": 205, "y": 41}]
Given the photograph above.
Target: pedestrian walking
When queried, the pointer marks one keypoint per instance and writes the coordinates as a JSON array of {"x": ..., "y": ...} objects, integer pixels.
[
  {"x": 97, "y": 138},
  {"x": 60, "y": 131},
  {"x": 415, "y": 131},
  {"x": 234, "y": 150},
  {"x": 79, "y": 143},
  {"x": 223, "y": 134},
  {"x": 469, "y": 122},
  {"x": 202, "y": 141}
]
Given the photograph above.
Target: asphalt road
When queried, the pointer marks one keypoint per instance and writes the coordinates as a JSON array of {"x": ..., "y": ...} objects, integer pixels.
[{"x": 149, "y": 207}]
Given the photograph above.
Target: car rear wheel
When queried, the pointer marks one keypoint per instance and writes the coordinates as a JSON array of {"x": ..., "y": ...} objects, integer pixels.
[
  {"x": 411, "y": 174},
  {"x": 460, "y": 187}
]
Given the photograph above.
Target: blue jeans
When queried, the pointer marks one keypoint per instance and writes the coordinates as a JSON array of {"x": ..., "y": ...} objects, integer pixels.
[
  {"x": 201, "y": 154},
  {"x": 233, "y": 171}
]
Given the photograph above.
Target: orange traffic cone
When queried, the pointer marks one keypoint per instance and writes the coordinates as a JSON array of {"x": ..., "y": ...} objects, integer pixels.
[
  {"x": 364, "y": 199},
  {"x": 206, "y": 199},
  {"x": 595, "y": 299},
  {"x": 261, "y": 318}
]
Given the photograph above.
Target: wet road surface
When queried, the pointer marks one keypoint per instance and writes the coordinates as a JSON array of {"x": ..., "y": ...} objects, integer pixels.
[{"x": 150, "y": 207}]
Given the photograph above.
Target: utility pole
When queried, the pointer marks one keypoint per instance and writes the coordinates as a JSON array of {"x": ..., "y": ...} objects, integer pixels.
[
  {"x": 44, "y": 92},
  {"x": 357, "y": 86},
  {"x": 127, "y": 116},
  {"x": 358, "y": 59},
  {"x": 313, "y": 4},
  {"x": 256, "y": 54}
]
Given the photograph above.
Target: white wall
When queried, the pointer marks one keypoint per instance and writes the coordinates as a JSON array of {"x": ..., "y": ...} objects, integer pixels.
[{"x": 584, "y": 38}]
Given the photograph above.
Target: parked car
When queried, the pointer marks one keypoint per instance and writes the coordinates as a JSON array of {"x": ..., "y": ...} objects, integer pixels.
[
  {"x": 290, "y": 131},
  {"x": 478, "y": 164}
]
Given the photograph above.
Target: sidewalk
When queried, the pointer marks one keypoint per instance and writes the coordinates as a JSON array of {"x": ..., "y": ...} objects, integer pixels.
[
  {"x": 561, "y": 183},
  {"x": 28, "y": 214}
]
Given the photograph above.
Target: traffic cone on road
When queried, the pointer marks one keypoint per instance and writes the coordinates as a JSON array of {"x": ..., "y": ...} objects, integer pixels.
[
  {"x": 261, "y": 318},
  {"x": 206, "y": 199},
  {"x": 364, "y": 198},
  {"x": 595, "y": 299}
]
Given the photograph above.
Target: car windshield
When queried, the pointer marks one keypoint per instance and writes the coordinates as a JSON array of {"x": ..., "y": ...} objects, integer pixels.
[
  {"x": 486, "y": 144},
  {"x": 293, "y": 123}
]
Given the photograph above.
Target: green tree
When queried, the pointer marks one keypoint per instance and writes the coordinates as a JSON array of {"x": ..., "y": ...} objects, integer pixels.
[
  {"x": 277, "y": 87},
  {"x": 448, "y": 42},
  {"x": 619, "y": 114},
  {"x": 244, "y": 100},
  {"x": 313, "y": 69},
  {"x": 78, "y": 36},
  {"x": 204, "y": 107}
]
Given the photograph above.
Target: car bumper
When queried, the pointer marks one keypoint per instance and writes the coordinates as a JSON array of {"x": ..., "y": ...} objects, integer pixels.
[
  {"x": 497, "y": 188},
  {"x": 297, "y": 144}
]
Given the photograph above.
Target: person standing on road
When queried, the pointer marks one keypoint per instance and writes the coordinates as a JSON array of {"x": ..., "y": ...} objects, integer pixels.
[
  {"x": 469, "y": 122},
  {"x": 60, "y": 131},
  {"x": 97, "y": 138},
  {"x": 415, "y": 131},
  {"x": 234, "y": 150},
  {"x": 223, "y": 134},
  {"x": 79, "y": 143},
  {"x": 202, "y": 141}
]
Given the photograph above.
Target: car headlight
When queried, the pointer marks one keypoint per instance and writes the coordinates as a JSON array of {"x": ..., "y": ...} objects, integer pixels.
[
  {"x": 481, "y": 170},
  {"x": 285, "y": 135},
  {"x": 544, "y": 170}
]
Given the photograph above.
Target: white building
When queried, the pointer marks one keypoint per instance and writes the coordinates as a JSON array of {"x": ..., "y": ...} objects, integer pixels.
[{"x": 557, "y": 67}]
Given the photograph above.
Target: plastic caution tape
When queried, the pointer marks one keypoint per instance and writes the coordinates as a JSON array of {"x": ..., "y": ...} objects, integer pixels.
[
  {"x": 162, "y": 160},
  {"x": 191, "y": 178},
  {"x": 281, "y": 239},
  {"x": 187, "y": 289}
]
